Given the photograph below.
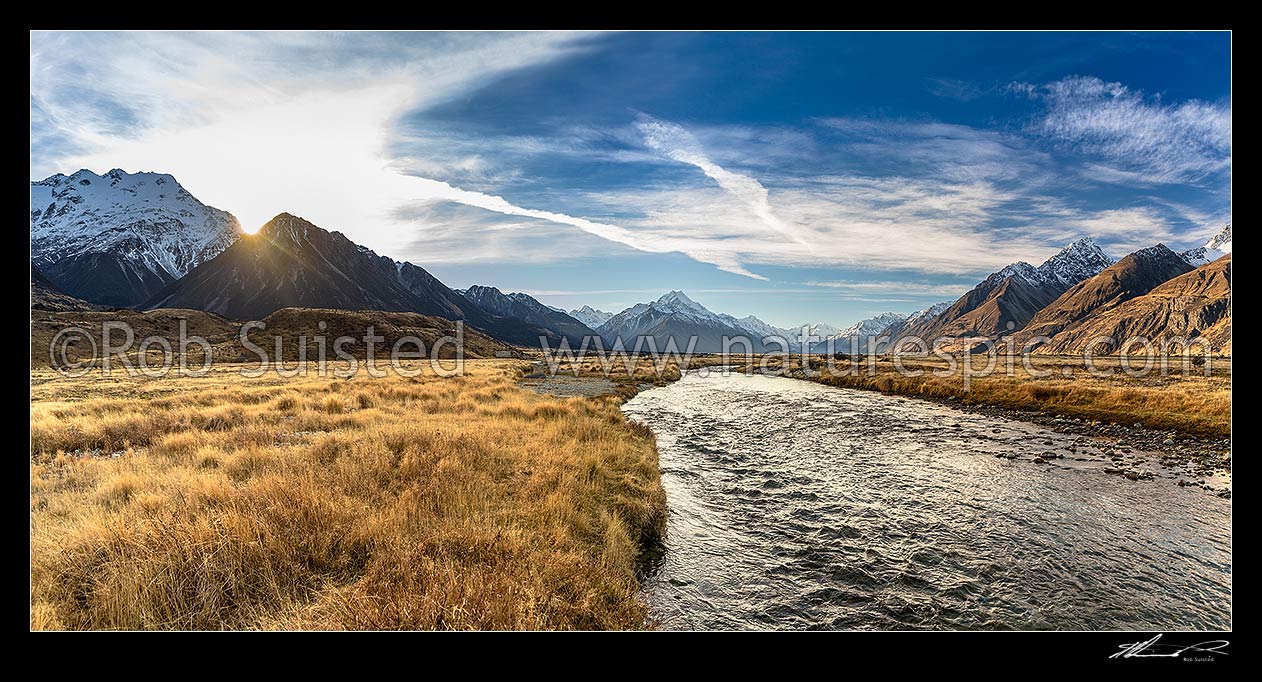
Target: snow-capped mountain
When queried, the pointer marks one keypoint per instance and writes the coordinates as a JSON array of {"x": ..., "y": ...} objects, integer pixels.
[
  {"x": 119, "y": 238},
  {"x": 759, "y": 329},
  {"x": 1077, "y": 261},
  {"x": 920, "y": 317},
  {"x": 872, "y": 325},
  {"x": 1009, "y": 298},
  {"x": 1218, "y": 246},
  {"x": 590, "y": 316},
  {"x": 854, "y": 339},
  {"x": 676, "y": 317},
  {"x": 927, "y": 313},
  {"x": 1099, "y": 297},
  {"x": 820, "y": 329}
]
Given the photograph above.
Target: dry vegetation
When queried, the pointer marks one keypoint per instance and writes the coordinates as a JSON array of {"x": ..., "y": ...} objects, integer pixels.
[
  {"x": 312, "y": 503},
  {"x": 1189, "y": 402},
  {"x": 298, "y": 331}
]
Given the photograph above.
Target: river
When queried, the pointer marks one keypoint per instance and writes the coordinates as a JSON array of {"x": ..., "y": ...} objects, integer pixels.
[{"x": 795, "y": 505}]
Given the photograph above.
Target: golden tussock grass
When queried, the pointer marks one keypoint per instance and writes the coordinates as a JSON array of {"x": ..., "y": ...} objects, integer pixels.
[
  {"x": 322, "y": 503},
  {"x": 1189, "y": 402}
]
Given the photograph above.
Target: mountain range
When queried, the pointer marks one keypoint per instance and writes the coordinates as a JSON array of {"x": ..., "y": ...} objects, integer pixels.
[
  {"x": 1135, "y": 275},
  {"x": 292, "y": 263},
  {"x": 1009, "y": 298},
  {"x": 675, "y": 318},
  {"x": 590, "y": 316},
  {"x": 1194, "y": 304},
  {"x": 526, "y": 308},
  {"x": 141, "y": 240}
]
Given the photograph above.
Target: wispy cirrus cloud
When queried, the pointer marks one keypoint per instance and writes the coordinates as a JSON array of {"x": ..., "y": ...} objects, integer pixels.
[
  {"x": 677, "y": 143},
  {"x": 1160, "y": 142},
  {"x": 894, "y": 287},
  {"x": 957, "y": 89},
  {"x": 339, "y": 128}
]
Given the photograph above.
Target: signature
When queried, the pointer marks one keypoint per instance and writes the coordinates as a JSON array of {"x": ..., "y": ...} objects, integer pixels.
[{"x": 1152, "y": 649}]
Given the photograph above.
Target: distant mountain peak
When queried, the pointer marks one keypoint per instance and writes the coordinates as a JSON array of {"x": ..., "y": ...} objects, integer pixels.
[
  {"x": 676, "y": 316},
  {"x": 1221, "y": 241},
  {"x": 521, "y": 306},
  {"x": 1020, "y": 269},
  {"x": 590, "y": 316},
  {"x": 677, "y": 296},
  {"x": 481, "y": 289},
  {"x": 1157, "y": 251},
  {"x": 1216, "y": 247}
]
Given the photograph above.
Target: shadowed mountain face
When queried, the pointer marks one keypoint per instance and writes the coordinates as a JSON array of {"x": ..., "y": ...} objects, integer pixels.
[
  {"x": 525, "y": 308},
  {"x": 1190, "y": 305},
  {"x": 1134, "y": 275},
  {"x": 46, "y": 296},
  {"x": 119, "y": 238},
  {"x": 995, "y": 307},
  {"x": 291, "y": 263}
]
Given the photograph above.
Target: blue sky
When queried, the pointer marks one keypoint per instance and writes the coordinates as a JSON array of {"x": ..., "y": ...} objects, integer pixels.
[{"x": 794, "y": 176}]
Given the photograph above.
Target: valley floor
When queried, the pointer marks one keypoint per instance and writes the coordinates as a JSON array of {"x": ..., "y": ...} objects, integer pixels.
[{"x": 323, "y": 503}]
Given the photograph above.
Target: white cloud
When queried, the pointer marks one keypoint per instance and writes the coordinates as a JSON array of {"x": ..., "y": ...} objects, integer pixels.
[
  {"x": 263, "y": 123},
  {"x": 308, "y": 123},
  {"x": 677, "y": 143},
  {"x": 1127, "y": 229},
  {"x": 907, "y": 288},
  {"x": 1166, "y": 142}
]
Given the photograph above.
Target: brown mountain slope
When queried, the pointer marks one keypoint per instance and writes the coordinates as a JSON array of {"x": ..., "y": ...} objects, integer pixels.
[
  {"x": 1008, "y": 299},
  {"x": 1194, "y": 304},
  {"x": 1003, "y": 302},
  {"x": 290, "y": 324},
  {"x": 1134, "y": 275}
]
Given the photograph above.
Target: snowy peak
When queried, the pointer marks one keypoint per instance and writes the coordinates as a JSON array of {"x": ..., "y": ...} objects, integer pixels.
[
  {"x": 1218, "y": 246},
  {"x": 678, "y": 302},
  {"x": 927, "y": 313},
  {"x": 676, "y": 316},
  {"x": 873, "y": 325},
  {"x": 757, "y": 328},
  {"x": 119, "y": 237},
  {"x": 590, "y": 316},
  {"x": 820, "y": 329},
  {"x": 1019, "y": 269},
  {"x": 1221, "y": 241},
  {"x": 1077, "y": 261}
]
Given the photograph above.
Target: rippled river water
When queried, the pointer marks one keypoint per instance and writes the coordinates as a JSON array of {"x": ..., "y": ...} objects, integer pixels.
[{"x": 795, "y": 505}]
